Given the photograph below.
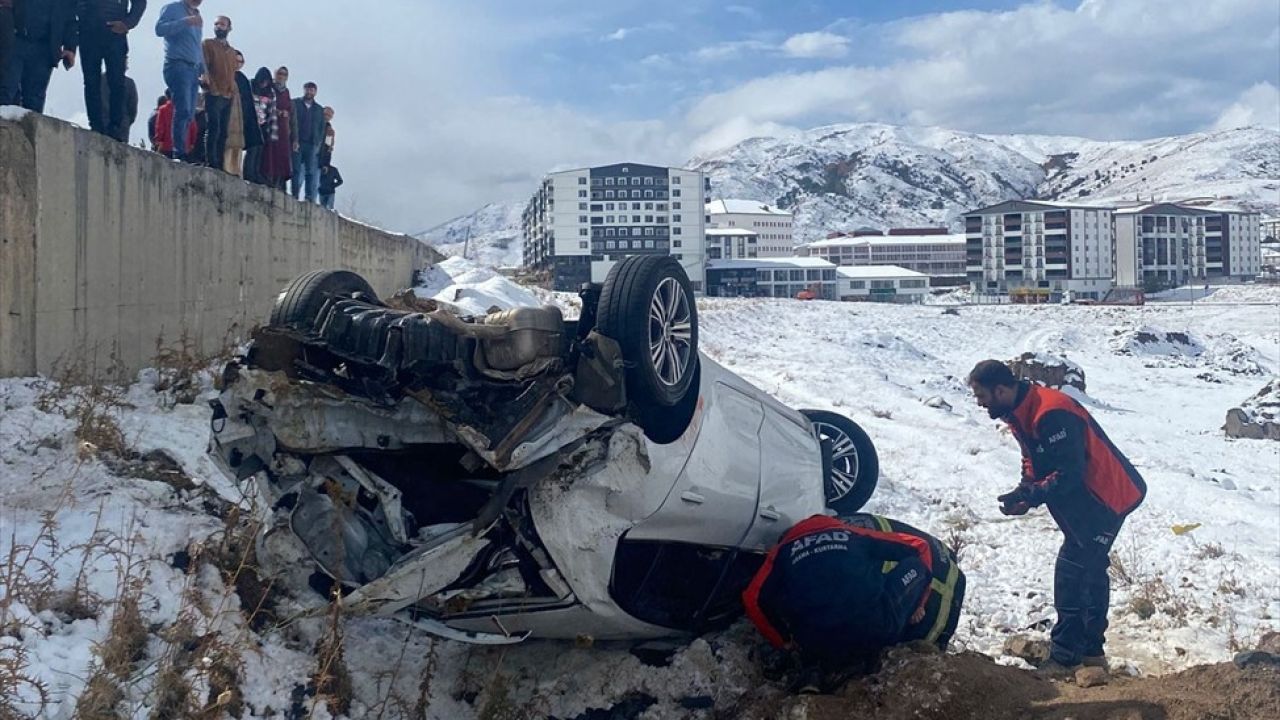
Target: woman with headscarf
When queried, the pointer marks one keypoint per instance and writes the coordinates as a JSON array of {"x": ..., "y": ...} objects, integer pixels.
[
  {"x": 262, "y": 94},
  {"x": 243, "y": 132},
  {"x": 277, "y": 157}
]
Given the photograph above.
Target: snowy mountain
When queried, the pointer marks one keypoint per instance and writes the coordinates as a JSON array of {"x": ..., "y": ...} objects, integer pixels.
[
  {"x": 840, "y": 177},
  {"x": 489, "y": 236},
  {"x": 844, "y": 176}
]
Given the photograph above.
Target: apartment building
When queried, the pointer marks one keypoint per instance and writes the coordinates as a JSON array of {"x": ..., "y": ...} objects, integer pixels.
[
  {"x": 580, "y": 222},
  {"x": 1040, "y": 250},
  {"x": 1169, "y": 244},
  {"x": 933, "y": 252},
  {"x": 772, "y": 225}
]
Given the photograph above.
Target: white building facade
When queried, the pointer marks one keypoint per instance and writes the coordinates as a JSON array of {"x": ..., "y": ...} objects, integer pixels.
[
  {"x": 580, "y": 222},
  {"x": 1167, "y": 245},
  {"x": 771, "y": 224},
  {"x": 936, "y": 255},
  {"x": 782, "y": 277},
  {"x": 881, "y": 283},
  {"x": 1040, "y": 250}
]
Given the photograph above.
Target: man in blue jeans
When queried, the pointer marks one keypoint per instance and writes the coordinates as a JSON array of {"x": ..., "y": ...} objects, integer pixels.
[
  {"x": 306, "y": 144},
  {"x": 104, "y": 25},
  {"x": 182, "y": 28}
]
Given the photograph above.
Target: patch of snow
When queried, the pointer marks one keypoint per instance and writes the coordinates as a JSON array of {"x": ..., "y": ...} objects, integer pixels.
[
  {"x": 13, "y": 112},
  {"x": 472, "y": 288}
]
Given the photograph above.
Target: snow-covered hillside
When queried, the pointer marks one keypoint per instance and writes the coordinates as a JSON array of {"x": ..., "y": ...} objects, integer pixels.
[
  {"x": 490, "y": 236},
  {"x": 1196, "y": 576},
  {"x": 841, "y": 177}
]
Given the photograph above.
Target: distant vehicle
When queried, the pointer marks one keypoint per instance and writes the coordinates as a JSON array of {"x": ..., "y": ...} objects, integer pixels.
[
  {"x": 806, "y": 294},
  {"x": 490, "y": 478}
]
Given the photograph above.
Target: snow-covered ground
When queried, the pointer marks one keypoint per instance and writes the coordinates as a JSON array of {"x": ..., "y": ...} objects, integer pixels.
[{"x": 1201, "y": 559}]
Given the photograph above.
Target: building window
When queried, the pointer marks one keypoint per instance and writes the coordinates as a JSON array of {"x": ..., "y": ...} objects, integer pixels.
[
  {"x": 609, "y": 232},
  {"x": 608, "y": 181},
  {"x": 608, "y": 194},
  {"x": 595, "y": 182},
  {"x": 648, "y": 231},
  {"x": 648, "y": 218},
  {"x": 675, "y": 206},
  {"x": 635, "y": 181},
  {"x": 635, "y": 194},
  {"x": 648, "y": 194},
  {"x": 635, "y": 218},
  {"x": 675, "y": 180},
  {"x": 858, "y": 284},
  {"x": 582, "y": 193},
  {"x": 595, "y": 208},
  {"x": 608, "y": 218},
  {"x": 582, "y": 245},
  {"x": 582, "y": 231},
  {"x": 648, "y": 206},
  {"x": 676, "y": 243},
  {"x": 662, "y": 207},
  {"x": 634, "y": 206},
  {"x": 662, "y": 219},
  {"x": 675, "y": 193},
  {"x": 582, "y": 218},
  {"x": 608, "y": 208},
  {"x": 648, "y": 244},
  {"x": 582, "y": 181},
  {"x": 675, "y": 231},
  {"x": 648, "y": 181}
]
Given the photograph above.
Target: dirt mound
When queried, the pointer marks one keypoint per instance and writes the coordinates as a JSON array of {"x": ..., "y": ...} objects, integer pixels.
[
  {"x": 1048, "y": 370},
  {"x": 1258, "y": 417},
  {"x": 970, "y": 685}
]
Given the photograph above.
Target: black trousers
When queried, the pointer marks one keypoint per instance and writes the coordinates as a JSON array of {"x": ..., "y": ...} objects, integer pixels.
[
  {"x": 27, "y": 80},
  {"x": 215, "y": 137},
  {"x": 99, "y": 48},
  {"x": 6, "y": 40},
  {"x": 1081, "y": 585}
]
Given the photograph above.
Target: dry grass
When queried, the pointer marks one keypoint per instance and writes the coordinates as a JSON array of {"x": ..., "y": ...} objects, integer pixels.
[{"x": 332, "y": 679}]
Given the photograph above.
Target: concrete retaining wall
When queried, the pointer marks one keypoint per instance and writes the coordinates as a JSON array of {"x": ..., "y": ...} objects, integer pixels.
[{"x": 106, "y": 250}]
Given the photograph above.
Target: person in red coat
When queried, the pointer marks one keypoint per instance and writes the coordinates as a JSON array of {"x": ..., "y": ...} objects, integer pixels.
[
  {"x": 1089, "y": 486},
  {"x": 277, "y": 154}
]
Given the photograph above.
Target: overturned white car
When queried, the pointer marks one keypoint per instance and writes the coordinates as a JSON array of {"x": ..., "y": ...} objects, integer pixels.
[{"x": 493, "y": 477}]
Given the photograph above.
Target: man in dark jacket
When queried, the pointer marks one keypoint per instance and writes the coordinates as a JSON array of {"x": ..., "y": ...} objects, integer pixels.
[
  {"x": 1090, "y": 487},
  {"x": 306, "y": 144},
  {"x": 330, "y": 181},
  {"x": 103, "y": 29},
  {"x": 840, "y": 590},
  {"x": 8, "y": 23},
  {"x": 45, "y": 34}
]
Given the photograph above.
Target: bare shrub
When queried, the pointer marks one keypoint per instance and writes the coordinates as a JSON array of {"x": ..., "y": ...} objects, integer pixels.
[
  {"x": 882, "y": 414},
  {"x": 332, "y": 679}
]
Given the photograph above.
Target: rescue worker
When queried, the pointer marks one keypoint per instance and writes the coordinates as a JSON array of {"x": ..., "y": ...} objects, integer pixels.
[
  {"x": 1070, "y": 465},
  {"x": 839, "y": 590}
]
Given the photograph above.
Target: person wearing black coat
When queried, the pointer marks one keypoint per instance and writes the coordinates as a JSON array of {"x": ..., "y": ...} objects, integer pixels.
[
  {"x": 330, "y": 181},
  {"x": 103, "y": 27},
  {"x": 45, "y": 34}
]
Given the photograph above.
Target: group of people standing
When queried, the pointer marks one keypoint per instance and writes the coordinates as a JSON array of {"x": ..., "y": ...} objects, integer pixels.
[
  {"x": 38, "y": 35},
  {"x": 211, "y": 113}
]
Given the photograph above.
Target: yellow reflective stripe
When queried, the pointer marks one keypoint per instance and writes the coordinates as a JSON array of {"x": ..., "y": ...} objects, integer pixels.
[
  {"x": 883, "y": 522},
  {"x": 888, "y": 566},
  {"x": 945, "y": 593}
]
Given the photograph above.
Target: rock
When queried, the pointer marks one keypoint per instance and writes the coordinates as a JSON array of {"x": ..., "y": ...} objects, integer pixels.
[
  {"x": 1257, "y": 418},
  {"x": 1048, "y": 370},
  {"x": 1087, "y": 677},
  {"x": 1033, "y": 651},
  {"x": 937, "y": 402},
  {"x": 1255, "y": 657},
  {"x": 1270, "y": 642},
  {"x": 951, "y": 311}
]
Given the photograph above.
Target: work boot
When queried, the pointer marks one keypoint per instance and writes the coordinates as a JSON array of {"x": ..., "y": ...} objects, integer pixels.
[
  {"x": 1094, "y": 661},
  {"x": 1054, "y": 670}
]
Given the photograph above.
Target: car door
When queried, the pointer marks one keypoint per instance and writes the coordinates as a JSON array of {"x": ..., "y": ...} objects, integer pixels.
[
  {"x": 790, "y": 476},
  {"x": 713, "y": 501}
]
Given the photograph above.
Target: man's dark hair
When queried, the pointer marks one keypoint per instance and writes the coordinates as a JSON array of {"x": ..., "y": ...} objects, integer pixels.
[
  {"x": 310, "y": 85},
  {"x": 162, "y": 100},
  {"x": 991, "y": 374}
]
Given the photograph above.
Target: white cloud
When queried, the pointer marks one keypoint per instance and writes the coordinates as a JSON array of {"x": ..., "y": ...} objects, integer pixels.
[
  {"x": 731, "y": 50},
  {"x": 816, "y": 45},
  {"x": 745, "y": 11},
  {"x": 1038, "y": 68},
  {"x": 1259, "y": 105},
  {"x": 619, "y": 34}
]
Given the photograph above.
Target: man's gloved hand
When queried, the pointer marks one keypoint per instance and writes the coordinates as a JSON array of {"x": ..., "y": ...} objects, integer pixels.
[{"x": 1014, "y": 503}]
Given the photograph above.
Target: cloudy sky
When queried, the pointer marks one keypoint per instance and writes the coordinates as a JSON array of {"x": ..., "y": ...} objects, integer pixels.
[{"x": 443, "y": 106}]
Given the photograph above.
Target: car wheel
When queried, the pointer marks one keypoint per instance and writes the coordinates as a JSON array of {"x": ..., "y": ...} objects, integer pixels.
[
  {"x": 853, "y": 468},
  {"x": 647, "y": 306},
  {"x": 300, "y": 301}
]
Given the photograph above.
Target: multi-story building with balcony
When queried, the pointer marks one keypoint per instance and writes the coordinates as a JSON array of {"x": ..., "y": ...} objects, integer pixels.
[
  {"x": 580, "y": 222},
  {"x": 1039, "y": 250},
  {"x": 1167, "y": 244}
]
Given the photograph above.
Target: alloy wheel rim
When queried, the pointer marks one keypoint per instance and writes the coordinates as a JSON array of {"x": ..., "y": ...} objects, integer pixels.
[
  {"x": 670, "y": 332},
  {"x": 844, "y": 460}
]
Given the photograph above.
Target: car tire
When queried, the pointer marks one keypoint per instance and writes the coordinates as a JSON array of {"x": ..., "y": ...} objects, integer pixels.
[
  {"x": 647, "y": 306},
  {"x": 299, "y": 303},
  {"x": 852, "y": 469}
]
